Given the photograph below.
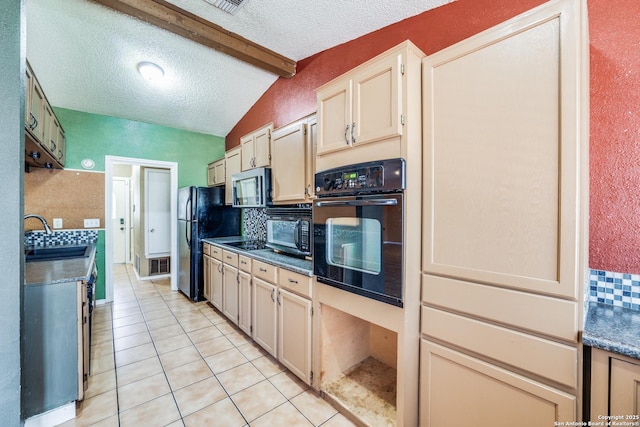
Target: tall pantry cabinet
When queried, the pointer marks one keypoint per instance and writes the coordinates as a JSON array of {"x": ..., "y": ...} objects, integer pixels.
[{"x": 504, "y": 222}]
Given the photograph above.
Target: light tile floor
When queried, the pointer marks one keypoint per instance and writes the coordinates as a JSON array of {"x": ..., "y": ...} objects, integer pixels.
[{"x": 159, "y": 359}]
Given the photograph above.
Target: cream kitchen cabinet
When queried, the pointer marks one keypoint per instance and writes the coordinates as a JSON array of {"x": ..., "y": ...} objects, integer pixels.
[
  {"x": 615, "y": 386},
  {"x": 504, "y": 259},
  {"x": 265, "y": 307},
  {"x": 45, "y": 142},
  {"x": 216, "y": 173},
  {"x": 216, "y": 278},
  {"x": 233, "y": 161},
  {"x": 244, "y": 294},
  {"x": 206, "y": 271},
  {"x": 294, "y": 323},
  {"x": 35, "y": 111},
  {"x": 461, "y": 390},
  {"x": 371, "y": 103},
  {"x": 292, "y": 162},
  {"x": 256, "y": 148},
  {"x": 231, "y": 282}
]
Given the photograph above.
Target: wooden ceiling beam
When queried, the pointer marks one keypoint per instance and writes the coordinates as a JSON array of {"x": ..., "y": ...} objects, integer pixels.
[{"x": 179, "y": 21}]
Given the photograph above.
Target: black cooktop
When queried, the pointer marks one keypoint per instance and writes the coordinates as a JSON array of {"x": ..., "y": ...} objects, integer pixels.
[{"x": 249, "y": 245}]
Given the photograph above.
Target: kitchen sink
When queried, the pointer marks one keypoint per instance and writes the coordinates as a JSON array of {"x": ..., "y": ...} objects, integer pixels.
[{"x": 55, "y": 253}]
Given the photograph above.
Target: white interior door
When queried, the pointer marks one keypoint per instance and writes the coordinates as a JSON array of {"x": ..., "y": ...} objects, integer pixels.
[
  {"x": 157, "y": 212},
  {"x": 119, "y": 219}
]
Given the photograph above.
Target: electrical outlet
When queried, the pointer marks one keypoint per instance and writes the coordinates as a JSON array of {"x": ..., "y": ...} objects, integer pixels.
[
  {"x": 57, "y": 222},
  {"x": 92, "y": 223}
]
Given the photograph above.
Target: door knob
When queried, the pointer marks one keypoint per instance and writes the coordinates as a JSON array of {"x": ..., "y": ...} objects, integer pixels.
[
  {"x": 152, "y": 230},
  {"x": 122, "y": 228}
]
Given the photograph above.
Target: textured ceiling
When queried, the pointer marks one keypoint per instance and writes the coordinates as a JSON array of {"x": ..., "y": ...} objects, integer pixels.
[{"x": 85, "y": 55}]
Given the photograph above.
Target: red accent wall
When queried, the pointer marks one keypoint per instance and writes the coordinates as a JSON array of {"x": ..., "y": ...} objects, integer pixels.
[
  {"x": 290, "y": 99},
  {"x": 614, "y": 242},
  {"x": 614, "y": 101}
]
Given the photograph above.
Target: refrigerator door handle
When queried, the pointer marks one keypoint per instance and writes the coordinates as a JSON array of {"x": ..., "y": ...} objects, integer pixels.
[
  {"x": 188, "y": 215},
  {"x": 186, "y": 234}
]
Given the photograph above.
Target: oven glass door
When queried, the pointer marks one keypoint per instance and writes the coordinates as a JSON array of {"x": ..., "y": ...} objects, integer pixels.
[{"x": 358, "y": 245}]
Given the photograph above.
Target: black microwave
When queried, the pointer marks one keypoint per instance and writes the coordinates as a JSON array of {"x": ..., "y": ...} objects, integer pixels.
[{"x": 289, "y": 230}]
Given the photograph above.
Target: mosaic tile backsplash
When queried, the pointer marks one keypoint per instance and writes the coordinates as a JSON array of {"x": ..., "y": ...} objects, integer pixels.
[
  {"x": 254, "y": 223},
  {"x": 618, "y": 289},
  {"x": 66, "y": 237}
]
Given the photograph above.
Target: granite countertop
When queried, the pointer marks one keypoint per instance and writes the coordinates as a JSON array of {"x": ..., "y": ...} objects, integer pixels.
[
  {"x": 60, "y": 271},
  {"x": 298, "y": 265},
  {"x": 615, "y": 329}
]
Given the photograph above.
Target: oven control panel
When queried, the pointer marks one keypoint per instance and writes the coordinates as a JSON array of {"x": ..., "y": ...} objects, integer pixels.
[{"x": 362, "y": 178}]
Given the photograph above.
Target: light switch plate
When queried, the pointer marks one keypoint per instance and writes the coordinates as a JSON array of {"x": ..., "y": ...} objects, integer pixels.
[
  {"x": 92, "y": 222},
  {"x": 57, "y": 222}
]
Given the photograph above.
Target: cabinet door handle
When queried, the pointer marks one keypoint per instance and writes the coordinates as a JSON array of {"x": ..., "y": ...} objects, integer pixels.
[
  {"x": 273, "y": 291},
  {"x": 346, "y": 140},
  {"x": 293, "y": 281},
  {"x": 228, "y": 257},
  {"x": 353, "y": 138},
  {"x": 34, "y": 123},
  {"x": 53, "y": 145},
  {"x": 264, "y": 270},
  {"x": 279, "y": 298}
]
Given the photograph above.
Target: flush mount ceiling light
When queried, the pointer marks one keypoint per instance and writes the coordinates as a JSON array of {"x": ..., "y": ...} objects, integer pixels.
[{"x": 150, "y": 71}]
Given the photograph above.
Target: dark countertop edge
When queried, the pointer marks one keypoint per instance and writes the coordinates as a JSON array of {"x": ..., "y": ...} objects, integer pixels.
[
  {"x": 80, "y": 271},
  {"x": 614, "y": 329},
  {"x": 297, "y": 265}
]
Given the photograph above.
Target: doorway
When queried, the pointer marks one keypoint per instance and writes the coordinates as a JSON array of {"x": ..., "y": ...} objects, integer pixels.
[{"x": 113, "y": 232}]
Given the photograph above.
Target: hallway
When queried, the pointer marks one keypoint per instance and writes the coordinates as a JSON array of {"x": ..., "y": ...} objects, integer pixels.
[{"x": 158, "y": 359}]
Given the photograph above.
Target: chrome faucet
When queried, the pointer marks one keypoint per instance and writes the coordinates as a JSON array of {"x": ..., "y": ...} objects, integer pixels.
[{"x": 47, "y": 229}]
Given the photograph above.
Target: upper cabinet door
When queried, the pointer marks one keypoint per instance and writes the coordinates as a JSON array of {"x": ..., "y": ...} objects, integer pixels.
[
  {"x": 256, "y": 150},
  {"x": 246, "y": 142},
  {"x": 37, "y": 113},
  {"x": 233, "y": 165},
  {"x": 289, "y": 163},
  {"x": 505, "y": 154},
  {"x": 377, "y": 101},
  {"x": 334, "y": 116},
  {"x": 262, "y": 149}
]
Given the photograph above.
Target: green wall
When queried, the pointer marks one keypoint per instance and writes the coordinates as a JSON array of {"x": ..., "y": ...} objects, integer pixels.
[{"x": 94, "y": 136}]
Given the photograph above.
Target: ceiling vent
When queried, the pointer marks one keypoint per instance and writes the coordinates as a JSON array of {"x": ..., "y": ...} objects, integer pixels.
[{"x": 230, "y": 6}]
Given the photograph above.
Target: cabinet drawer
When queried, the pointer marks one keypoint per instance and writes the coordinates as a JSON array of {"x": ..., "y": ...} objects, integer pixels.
[
  {"x": 295, "y": 282},
  {"x": 548, "y": 359},
  {"x": 265, "y": 271},
  {"x": 244, "y": 263},
  {"x": 216, "y": 252},
  {"x": 230, "y": 258},
  {"x": 206, "y": 249}
]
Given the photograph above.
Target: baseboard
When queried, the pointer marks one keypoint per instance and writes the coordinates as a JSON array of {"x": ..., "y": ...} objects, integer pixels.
[{"x": 53, "y": 417}]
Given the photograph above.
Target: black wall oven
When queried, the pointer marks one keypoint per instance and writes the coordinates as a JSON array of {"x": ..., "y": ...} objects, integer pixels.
[{"x": 358, "y": 229}]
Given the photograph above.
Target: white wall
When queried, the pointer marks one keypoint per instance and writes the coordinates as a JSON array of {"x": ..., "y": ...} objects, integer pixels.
[{"x": 12, "y": 63}]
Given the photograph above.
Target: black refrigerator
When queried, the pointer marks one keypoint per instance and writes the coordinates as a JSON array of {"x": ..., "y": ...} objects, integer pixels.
[{"x": 201, "y": 214}]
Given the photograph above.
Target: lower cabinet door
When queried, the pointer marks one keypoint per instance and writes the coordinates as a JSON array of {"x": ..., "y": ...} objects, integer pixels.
[
  {"x": 459, "y": 390},
  {"x": 215, "y": 274},
  {"x": 230, "y": 293},
  {"x": 244, "y": 302},
  {"x": 294, "y": 333},
  {"x": 265, "y": 311},
  {"x": 624, "y": 395},
  {"x": 206, "y": 277}
]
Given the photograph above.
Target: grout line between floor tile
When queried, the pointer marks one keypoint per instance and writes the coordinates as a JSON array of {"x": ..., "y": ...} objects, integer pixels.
[{"x": 173, "y": 302}]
